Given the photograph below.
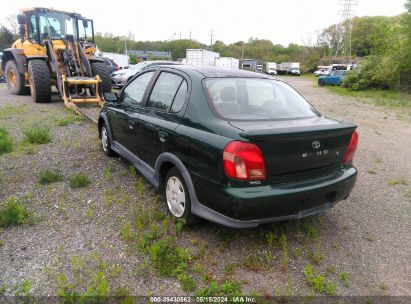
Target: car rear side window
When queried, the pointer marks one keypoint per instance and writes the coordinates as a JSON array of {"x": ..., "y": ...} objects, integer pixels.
[
  {"x": 256, "y": 99},
  {"x": 134, "y": 92},
  {"x": 166, "y": 90}
]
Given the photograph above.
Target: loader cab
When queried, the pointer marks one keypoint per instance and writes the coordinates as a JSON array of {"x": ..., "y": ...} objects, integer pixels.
[{"x": 54, "y": 25}]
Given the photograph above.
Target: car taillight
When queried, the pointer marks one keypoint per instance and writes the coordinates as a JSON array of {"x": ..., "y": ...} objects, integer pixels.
[
  {"x": 244, "y": 161},
  {"x": 351, "y": 149}
]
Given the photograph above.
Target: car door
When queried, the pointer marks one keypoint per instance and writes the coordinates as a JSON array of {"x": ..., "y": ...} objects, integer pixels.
[
  {"x": 122, "y": 114},
  {"x": 161, "y": 115}
]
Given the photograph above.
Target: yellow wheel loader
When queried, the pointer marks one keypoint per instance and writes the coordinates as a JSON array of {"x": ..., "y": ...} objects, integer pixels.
[{"x": 55, "y": 48}]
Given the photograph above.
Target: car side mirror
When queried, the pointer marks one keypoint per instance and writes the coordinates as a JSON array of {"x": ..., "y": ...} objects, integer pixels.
[
  {"x": 110, "y": 97},
  {"x": 21, "y": 19}
]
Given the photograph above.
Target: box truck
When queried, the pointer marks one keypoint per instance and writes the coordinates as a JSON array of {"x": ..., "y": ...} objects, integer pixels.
[
  {"x": 271, "y": 68},
  {"x": 201, "y": 57},
  {"x": 289, "y": 68},
  {"x": 227, "y": 62}
]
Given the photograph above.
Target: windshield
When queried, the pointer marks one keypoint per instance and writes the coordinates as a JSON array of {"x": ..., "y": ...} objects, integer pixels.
[
  {"x": 54, "y": 25},
  {"x": 139, "y": 66},
  {"x": 256, "y": 99}
]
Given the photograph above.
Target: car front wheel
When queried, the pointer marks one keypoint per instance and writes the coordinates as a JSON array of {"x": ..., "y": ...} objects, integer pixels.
[{"x": 177, "y": 197}]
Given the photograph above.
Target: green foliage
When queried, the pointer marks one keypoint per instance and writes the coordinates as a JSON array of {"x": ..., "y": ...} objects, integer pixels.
[
  {"x": 24, "y": 289},
  {"x": 187, "y": 282},
  {"x": 397, "y": 181},
  {"x": 50, "y": 176},
  {"x": 167, "y": 257},
  {"x": 6, "y": 142},
  {"x": 79, "y": 180},
  {"x": 14, "y": 213},
  {"x": 344, "y": 278},
  {"x": 38, "y": 135},
  {"x": 318, "y": 282},
  {"x": 228, "y": 289}
]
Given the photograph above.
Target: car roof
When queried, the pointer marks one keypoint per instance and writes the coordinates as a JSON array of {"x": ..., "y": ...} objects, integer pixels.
[{"x": 217, "y": 72}]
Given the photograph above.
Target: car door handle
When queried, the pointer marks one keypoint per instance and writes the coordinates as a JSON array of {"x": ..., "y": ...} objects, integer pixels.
[
  {"x": 162, "y": 135},
  {"x": 131, "y": 124}
]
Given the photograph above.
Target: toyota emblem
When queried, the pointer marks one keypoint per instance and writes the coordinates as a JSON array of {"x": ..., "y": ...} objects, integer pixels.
[{"x": 316, "y": 144}]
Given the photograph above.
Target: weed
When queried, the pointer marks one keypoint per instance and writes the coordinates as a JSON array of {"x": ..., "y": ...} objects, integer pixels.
[
  {"x": 256, "y": 262},
  {"x": 297, "y": 252},
  {"x": 284, "y": 248},
  {"x": 312, "y": 233},
  {"x": 285, "y": 291},
  {"x": 79, "y": 180},
  {"x": 24, "y": 289},
  {"x": 50, "y": 176},
  {"x": 372, "y": 171},
  {"x": 108, "y": 172},
  {"x": 166, "y": 257},
  {"x": 270, "y": 236},
  {"x": 330, "y": 270},
  {"x": 1, "y": 243},
  {"x": 228, "y": 289},
  {"x": 383, "y": 287},
  {"x": 317, "y": 281},
  {"x": 3, "y": 289},
  {"x": 38, "y": 135},
  {"x": 229, "y": 269},
  {"x": 397, "y": 181},
  {"x": 187, "y": 282},
  {"x": 225, "y": 236},
  {"x": 140, "y": 187},
  {"x": 67, "y": 120},
  {"x": 343, "y": 276},
  {"x": 6, "y": 142},
  {"x": 370, "y": 238},
  {"x": 89, "y": 214},
  {"x": 14, "y": 213},
  {"x": 202, "y": 249},
  {"x": 133, "y": 171},
  {"x": 408, "y": 194},
  {"x": 126, "y": 231},
  {"x": 205, "y": 277},
  {"x": 315, "y": 255},
  {"x": 179, "y": 225}
]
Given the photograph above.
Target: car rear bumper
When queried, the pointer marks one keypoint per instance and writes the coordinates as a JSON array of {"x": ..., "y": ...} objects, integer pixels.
[{"x": 253, "y": 206}]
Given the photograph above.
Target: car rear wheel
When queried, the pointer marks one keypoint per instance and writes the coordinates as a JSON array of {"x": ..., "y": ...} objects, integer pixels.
[
  {"x": 105, "y": 141},
  {"x": 320, "y": 82},
  {"x": 176, "y": 195}
]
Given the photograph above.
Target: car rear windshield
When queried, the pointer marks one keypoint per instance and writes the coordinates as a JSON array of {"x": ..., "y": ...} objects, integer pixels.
[{"x": 256, "y": 99}]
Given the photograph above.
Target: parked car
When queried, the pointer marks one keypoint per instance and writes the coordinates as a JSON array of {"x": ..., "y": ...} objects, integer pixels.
[
  {"x": 113, "y": 66},
  {"x": 120, "y": 78},
  {"x": 321, "y": 72},
  {"x": 234, "y": 147},
  {"x": 335, "y": 78}
]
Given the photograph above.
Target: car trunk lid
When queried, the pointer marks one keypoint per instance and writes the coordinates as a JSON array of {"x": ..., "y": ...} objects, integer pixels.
[{"x": 299, "y": 149}]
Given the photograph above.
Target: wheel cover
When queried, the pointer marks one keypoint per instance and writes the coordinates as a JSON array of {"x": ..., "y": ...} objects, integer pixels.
[
  {"x": 12, "y": 77},
  {"x": 175, "y": 195},
  {"x": 104, "y": 139}
]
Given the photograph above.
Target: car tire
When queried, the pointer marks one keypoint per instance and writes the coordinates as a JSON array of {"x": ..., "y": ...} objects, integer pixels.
[
  {"x": 320, "y": 82},
  {"x": 40, "y": 81},
  {"x": 102, "y": 70},
  {"x": 105, "y": 141},
  {"x": 16, "y": 85},
  {"x": 176, "y": 196}
]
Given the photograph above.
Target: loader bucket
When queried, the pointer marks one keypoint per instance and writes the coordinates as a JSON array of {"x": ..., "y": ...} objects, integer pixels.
[{"x": 81, "y": 90}]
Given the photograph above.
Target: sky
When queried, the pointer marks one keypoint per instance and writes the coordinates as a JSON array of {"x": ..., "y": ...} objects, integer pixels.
[{"x": 281, "y": 21}]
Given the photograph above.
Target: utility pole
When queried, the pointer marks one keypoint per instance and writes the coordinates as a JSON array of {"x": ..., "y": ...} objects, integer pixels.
[
  {"x": 211, "y": 37},
  {"x": 346, "y": 17}
]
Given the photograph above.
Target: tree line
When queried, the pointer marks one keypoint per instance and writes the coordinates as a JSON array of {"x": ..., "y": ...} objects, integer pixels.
[{"x": 381, "y": 46}]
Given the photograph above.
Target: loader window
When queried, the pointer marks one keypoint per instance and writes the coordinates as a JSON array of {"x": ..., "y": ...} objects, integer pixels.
[
  {"x": 52, "y": 25},
  {"x": 32, "y": 28},
  {"x": 85, "y": 30}
]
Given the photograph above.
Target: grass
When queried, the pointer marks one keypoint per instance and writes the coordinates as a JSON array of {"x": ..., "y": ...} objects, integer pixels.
[
  {"x": 318, "y": 282},
  {"x": 397, "y": 181},
  {"x": 228, "y": 289},
  {"x": 344, "y": 278},
  {"x": 167, "y": 257},
  {"x": 79, "y": 180},
  {"x": 284, "y": 249},
  {"x": 50, "y": 176},
  {"x": 408, "y": 194},
  {"x": 6, "y": 142},
  {"x": 13, "y": 213},
  {"x": 37, "y": 135},
  {"x": 71, "y": 118},
  {"x": 187, "y": 282},
  {"x": 386, "y": 98}
]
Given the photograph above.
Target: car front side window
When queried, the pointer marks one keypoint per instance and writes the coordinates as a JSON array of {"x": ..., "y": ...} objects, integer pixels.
[
  {"x": 165, "y": 91},
  {"x": 134, "y": 92}
]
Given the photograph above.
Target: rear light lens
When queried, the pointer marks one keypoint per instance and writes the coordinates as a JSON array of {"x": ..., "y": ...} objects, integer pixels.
[
  {"x": 244, "y": 161},
  {"x": 351, "y": 149}
]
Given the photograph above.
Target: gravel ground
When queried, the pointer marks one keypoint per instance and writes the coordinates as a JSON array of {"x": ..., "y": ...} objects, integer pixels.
[{"x": 78, "y": 233}]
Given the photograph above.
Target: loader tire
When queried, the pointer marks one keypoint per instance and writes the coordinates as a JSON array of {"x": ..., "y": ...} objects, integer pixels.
[
  {"x": 40, "y": 81},
  {"x": 15, "y": 81},
  {"x": 101, "y": 69}
]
